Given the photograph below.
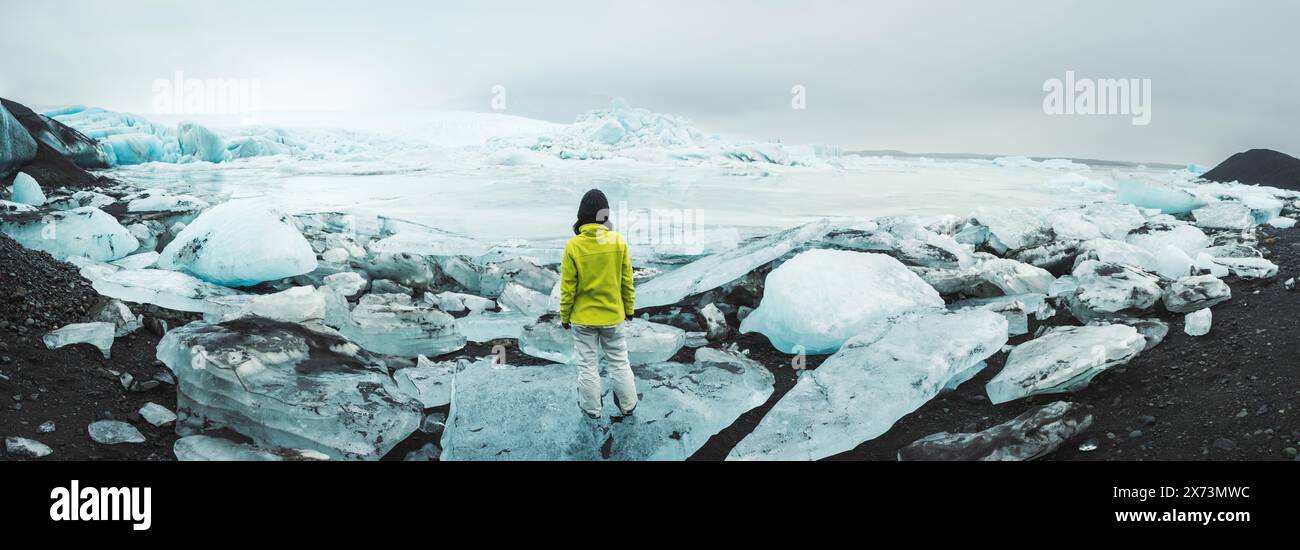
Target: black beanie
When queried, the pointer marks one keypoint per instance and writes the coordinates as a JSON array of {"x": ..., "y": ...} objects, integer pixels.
[{"x": 594, "y": 208}]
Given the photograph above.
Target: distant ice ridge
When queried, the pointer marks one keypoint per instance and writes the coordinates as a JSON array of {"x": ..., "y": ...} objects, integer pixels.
[{"x": 626, "y": 132}]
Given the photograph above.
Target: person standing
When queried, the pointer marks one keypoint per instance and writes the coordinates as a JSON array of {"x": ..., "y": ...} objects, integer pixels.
[{"x": 596, "y": 297}]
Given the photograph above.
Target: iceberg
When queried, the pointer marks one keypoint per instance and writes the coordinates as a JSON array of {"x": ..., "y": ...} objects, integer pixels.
[
  {"x": 1106, "y": 290},
  {"x": 496, "y": 278},
  {"x": 1117, "y": 252},
  {"x": 83, "y": 231},
  {"x": 820, "y": 298},
  {"x": 504, "y": 412},
  {"x": 299, "y": 304},
  {"x": 347, "y": 283},
  {"x": 239, "y": 244},
  {"x": 1224, "y": 215},
  {"x": 1166, "y": 198},
  {"x": 887, "y": 371},
  {"x": 392, "y": 325},
  {"x": 165, "y": 289},
  {"x": 516, "y": 297},
  {"x": 1063, "y": 359},
  {"x": 1189, "y": 294},
  {"x": 713, "y": 271},
  {"x": 1014, "y": 277},
  {"x": 1154, "y": 236},
  {"x": 159, "y": 200},
  {"x": 287, "y": 386},
  {"x": 1016, "y": 308},
  {"x": 1034, "y": 434},
  {"x": 1013, "y": 228},
  {"x": 454, "y": 302},
  {"x": 547, "y": 339},
  {"x": 1248, "y": 268},
  {"x": 142, "y": 260},
  {"x": 96, "y": 334},
  {"x": 25, "y": 190}
]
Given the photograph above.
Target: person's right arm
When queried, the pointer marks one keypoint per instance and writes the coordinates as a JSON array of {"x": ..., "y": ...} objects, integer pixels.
[{"x": 568, "y": 285}]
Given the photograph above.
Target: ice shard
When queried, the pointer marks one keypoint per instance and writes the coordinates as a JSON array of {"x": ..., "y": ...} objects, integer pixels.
[
  {"x": 96, "y": 334},
  {"x": 1034, "y": 434},
  {"x": 719, "y": 269}
]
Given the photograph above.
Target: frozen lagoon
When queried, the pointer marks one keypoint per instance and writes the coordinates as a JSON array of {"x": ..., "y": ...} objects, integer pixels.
[{"x": 536, "y": 203}]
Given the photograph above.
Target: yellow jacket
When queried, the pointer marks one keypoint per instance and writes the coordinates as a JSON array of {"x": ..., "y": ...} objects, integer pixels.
[{"x": 596, "y": 278}]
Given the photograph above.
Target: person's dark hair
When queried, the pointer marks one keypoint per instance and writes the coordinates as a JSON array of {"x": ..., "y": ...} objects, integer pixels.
[{"x": 594, "y": 208}]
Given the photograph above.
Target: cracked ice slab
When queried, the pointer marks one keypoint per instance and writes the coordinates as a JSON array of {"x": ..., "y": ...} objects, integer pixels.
[
  {"x": 1063, "y": 359},
  {"x": 288, "y": 385},
  {"x": 889, "y": 370},
  {"x": 647, "y": 342},
  {"x": 719, "y": 269},
  {"x": 97, "y": 334},
  {"x": 502, "y": 412}
]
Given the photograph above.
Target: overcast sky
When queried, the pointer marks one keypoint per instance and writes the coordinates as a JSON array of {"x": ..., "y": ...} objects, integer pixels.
[{"x": 921, "y": 76}]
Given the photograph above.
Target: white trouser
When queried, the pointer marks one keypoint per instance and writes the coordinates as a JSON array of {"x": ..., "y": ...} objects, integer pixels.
[{"x": 614, "y": 345}]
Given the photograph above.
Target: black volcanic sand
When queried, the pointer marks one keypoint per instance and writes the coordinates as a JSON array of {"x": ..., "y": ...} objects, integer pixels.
[
  {"x": 71, "y": 386},
  {"x": 1185, "y": 397}
]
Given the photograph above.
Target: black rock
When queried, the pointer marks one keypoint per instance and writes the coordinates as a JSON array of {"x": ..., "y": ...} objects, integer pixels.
[{"x": 1259, "y": 167}]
